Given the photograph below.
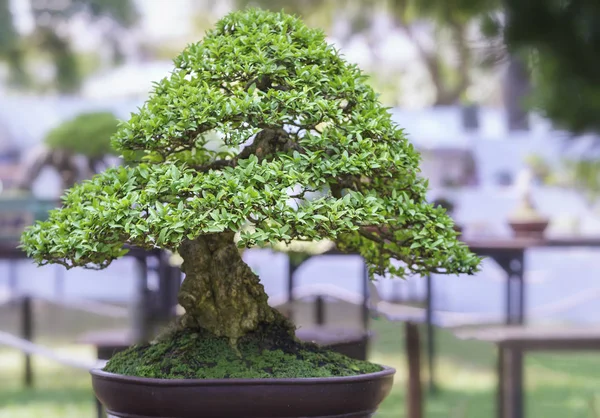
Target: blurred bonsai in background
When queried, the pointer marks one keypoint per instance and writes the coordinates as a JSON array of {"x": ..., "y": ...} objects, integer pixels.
[{"x": 87, "y": 135}]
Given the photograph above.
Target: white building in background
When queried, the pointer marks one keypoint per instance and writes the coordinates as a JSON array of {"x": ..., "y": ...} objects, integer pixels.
[{"x": 129, "y": 81}]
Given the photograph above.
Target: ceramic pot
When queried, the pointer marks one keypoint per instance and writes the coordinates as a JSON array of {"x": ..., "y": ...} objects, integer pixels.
[{"x": 333, "y": 397}]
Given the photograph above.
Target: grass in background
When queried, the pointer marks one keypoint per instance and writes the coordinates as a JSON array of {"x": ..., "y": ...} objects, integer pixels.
[
  {"x": 557, "y": 385},
  {"x": 58, "y": 392}
]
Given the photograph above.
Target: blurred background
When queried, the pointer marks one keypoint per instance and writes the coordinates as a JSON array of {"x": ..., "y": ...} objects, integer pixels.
[{"x": 502, "y": 100}]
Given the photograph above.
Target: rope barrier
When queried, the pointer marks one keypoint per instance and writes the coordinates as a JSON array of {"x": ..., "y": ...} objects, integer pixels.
[
  {"x": 34, "y": 349},
  {"x": 89, "y": 306},
  {"x": 391, "y": 311},
  {"x": 303, "y": 292},
  {"x": 84, "y": 305},
  {"x": 399, "y": 312},
  {"x": 396, "y": 312}
]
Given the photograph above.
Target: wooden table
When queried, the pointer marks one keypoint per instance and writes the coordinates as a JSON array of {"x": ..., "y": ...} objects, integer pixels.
[
  {"x": 513, "y": 342},
  {"x": 509, "y": 254},
  {"x": 167, "y": 295}
]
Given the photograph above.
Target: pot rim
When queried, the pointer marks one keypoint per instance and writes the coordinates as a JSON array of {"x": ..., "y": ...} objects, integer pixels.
[{"x": 101, "y": 374}]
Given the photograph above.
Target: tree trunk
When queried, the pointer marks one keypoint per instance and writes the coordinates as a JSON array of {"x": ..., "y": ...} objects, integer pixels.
[
  {"x": 32, "y": 167},
  {"x": 63, "y": 162},
  {"x": 94, "y": 165},
  {"x": 220, "y": 292},
  {"x": 516, "y": 89}
]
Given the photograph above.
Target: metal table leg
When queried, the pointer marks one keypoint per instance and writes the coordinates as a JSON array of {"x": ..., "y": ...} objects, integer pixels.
[{"x": 430, "y": 335}]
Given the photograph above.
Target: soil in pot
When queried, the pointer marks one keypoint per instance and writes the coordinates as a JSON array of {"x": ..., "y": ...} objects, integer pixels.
[{"x": 269, "y": 352}]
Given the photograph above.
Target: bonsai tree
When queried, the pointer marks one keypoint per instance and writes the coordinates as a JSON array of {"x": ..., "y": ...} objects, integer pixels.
[
  {"x": 293, "y": 115},
  {"x": 87, "y": 135}
]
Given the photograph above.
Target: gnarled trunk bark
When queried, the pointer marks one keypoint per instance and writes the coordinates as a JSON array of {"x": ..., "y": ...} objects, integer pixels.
[{"x": 220, "y": 292}]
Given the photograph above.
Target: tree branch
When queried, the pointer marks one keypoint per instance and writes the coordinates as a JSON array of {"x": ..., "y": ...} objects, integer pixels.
[
  {"x": 227, "y": 89},
  {"x": 216, "y": 165},
  {"x": 444, "y": 94},
  {"x": 266, "y": 142},
  {"x": 370, "y": 236},
  {"x": 464, "y": 58},
  {"x": 303, "y": 193},
  {"x": 431, "y": 61}
]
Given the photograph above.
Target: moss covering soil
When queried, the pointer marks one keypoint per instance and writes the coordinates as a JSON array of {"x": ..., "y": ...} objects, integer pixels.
[{"x": 266, "y": 353}]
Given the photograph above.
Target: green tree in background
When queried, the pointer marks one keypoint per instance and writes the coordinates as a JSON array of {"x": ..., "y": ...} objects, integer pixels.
[
  {"x": 563, "y": 40},
  {"x": 87, "y": 135},
  {"x": 453, "y": 20}
]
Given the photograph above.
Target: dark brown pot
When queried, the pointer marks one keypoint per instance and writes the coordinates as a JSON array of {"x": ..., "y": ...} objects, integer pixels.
[
  {"x": 334, "y": 397},
  {"x": 529, "y": 229}
]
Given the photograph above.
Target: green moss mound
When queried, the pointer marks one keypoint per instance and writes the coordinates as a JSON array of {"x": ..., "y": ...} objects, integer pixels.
[{"x": 267, "y": 353}]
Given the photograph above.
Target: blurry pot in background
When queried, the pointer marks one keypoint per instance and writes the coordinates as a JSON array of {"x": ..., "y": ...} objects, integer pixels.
[
  {"x": 528, "y": 228},
  {"x": 526, "y": 221}
]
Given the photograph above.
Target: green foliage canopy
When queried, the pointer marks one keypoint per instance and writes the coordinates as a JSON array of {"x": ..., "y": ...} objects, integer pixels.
[
  {"x": 295, "y": 116},
  {"x": 87, "y": 134}
]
